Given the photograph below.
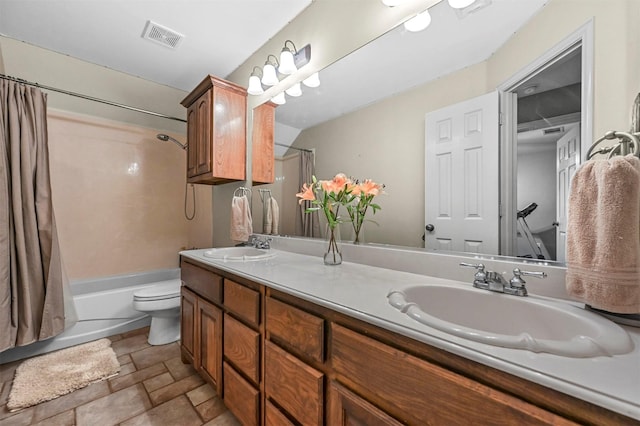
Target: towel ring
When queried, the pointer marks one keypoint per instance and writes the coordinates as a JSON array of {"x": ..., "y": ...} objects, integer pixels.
[
  {"x": 243, "y": 191},
  {"x": 628, "y": 145}
]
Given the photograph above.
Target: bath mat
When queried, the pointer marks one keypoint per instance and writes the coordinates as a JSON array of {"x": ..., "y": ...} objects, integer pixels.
[{"x": 58, "y": 373}]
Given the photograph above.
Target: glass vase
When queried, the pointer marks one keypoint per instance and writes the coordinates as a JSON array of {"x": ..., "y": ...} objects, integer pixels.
[
  {"x": 358, "y": 236},
  {"x": 333, "y": 253}
]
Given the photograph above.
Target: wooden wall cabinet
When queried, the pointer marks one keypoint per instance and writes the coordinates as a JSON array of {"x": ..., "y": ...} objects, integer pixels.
[
  {"x": 216, "y": 132},
  {"x": 286, "y": 361},
  {"x": 263, "y": 155}
]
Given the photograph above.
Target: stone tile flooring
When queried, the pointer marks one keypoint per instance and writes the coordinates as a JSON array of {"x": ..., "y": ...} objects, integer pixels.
[{"x": 154, "y": 388}]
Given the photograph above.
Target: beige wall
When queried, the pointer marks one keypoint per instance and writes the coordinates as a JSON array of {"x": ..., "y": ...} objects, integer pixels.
[
  {"x": 113, "y": 219},
  {"x": 385, "y": 141}
]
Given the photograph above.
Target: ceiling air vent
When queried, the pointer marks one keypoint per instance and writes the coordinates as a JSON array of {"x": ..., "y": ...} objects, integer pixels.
[
  {"x": 553, "y": 130},
  {"x": 162, "y": 35}
]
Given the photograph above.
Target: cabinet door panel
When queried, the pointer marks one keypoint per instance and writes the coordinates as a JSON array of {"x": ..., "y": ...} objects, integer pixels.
[
  {"x": 188, "y": 343},
  {"x": 295, "y": 386},
  {"x": 347, "y": 408},
  {"x": 229, "y": 134},
  {"x": 242, "y": 347},
  {"x": 241, "y": 398},
  {"x": 297, "y": 329},
  {"x": 210, "y": 331},
  {"x": 418, "y": 392},
  {"x": 203, "y": 134},
  {"x": 273, "y": 416}
]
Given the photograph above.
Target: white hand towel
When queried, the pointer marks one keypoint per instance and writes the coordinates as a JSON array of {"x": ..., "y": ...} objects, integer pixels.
[
  {"x": 241, "y": 224},
  {"x": 275, "y": 216},
  {"x": 603, "y": 235},
  {"x": 268, "y": 217}
]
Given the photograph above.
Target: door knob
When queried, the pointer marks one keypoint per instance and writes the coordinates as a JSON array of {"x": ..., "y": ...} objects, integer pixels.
[{"x": 429, "y": 228}]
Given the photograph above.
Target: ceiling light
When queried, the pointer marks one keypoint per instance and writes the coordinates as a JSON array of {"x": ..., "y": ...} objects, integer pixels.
[
  {"x": 312, "y": 81},
  {"x": 279, "y": 99},
  {"x": 287, "y": 65},
  {"x": 460, "y": 4},
  {"x": 255, "y": 88},
  {"x": 418, "y": 22},
  {"x": 294, "y": 90},
  {"x": 269, "y": 77}
]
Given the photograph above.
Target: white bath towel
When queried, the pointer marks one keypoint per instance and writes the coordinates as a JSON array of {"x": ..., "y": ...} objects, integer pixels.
[
  {"x": 603, "y": 235},
  {"x": 275, "y": 216},
  {"x": 241, "y": 224},
  {"x": 268, "y": 217}
]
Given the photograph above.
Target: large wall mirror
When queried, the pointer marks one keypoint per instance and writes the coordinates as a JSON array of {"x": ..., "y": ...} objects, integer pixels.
[{"x": 368, "y": 121}]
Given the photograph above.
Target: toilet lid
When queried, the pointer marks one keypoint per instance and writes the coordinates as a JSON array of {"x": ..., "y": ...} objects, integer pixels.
[{"x": 162, "y": 290}]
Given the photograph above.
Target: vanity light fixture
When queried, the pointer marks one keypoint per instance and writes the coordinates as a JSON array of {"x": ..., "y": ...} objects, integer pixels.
[
  {"x": 460, "y": 4},
  {"x": 269, "y": 77},
  {"x": 287, "y": 64},
  {"x": 255, "y": 87},
  {"x": 312, "y": 81},
  {"x": 418, "y": 22},
  {"x": 294, "y": 90},
  {"x": 279, "y": 99}
]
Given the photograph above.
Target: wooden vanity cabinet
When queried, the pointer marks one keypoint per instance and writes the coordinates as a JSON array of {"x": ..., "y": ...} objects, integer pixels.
[
  {"x": 262, "y": 142},
  {"x": 287, "y": 361},
  {"x": 216, "y": 132}
]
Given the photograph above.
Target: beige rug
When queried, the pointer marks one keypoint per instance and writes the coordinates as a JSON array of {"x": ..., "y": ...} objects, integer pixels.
[{"x": 58, "y": 373}]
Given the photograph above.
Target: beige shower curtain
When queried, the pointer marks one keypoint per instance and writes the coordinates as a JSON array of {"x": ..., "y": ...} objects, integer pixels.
[
  {"x": 31, "y": 274},
  {"x": 307, "y": 224}
]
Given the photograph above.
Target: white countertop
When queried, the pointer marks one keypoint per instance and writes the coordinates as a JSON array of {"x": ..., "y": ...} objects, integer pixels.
[{"x": 360, "y": 291}]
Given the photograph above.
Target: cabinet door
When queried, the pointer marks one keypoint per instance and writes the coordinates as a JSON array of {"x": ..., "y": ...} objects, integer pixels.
[
  {"x": 263, "y": 163},
  {"x": 347, "y": 408},
  {"x": 228, "y": 143},
  {"x": 203, "y": 133},
  {"x": 187, "y": 325},
  {"x": 209, "y": 326}
]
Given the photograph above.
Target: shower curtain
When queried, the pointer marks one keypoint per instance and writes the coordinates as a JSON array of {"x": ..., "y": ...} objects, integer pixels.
[
  {"x": 307, "y": 224},
  {"x": 31, "y": 273}
]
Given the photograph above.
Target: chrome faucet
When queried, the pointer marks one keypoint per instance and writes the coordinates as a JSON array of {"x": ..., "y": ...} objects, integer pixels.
[
  {"x": 494, "y": 281},
  {"x": 257, "y": 242}
]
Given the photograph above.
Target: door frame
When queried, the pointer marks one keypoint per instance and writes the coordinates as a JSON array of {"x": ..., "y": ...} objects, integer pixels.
[{"x": 583, "y": 37}]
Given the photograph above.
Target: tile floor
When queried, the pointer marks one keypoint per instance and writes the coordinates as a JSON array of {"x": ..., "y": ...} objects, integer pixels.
[{"x": 154, "y": 388}]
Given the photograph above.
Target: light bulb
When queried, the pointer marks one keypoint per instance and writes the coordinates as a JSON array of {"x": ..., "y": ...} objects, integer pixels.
[
  {"x": 418, "y": 22},
  {"x": 460, "y": 4},
  {"x": 255, "y": 88},
  {"x": 279, "y": 99},
  {"x": 287, "y": 65},
  {"x": 294, "y": 90},
  {"x": 269, "y": 77},
  {"x": 312, "y": 81}
]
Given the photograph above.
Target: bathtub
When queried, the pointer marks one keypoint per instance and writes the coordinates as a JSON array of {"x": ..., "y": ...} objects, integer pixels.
[{"x": 104, "y": 308}]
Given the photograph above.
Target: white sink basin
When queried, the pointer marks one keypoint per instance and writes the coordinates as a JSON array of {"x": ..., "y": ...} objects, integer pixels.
[
  {"x": 530, "y": 323},
  {"x": 238, "y": 254}
]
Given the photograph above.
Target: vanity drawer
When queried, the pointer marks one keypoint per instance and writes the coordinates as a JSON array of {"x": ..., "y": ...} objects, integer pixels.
[
  {"x": 274, "y": 417},
  {"x": 242, "y": 348},
  {"x": 419, "y": 392},
  {"x": 204, "y": 282},
  {"x": 296, "y": 329},
  {"x": 242, "y": 301},
  {"x": 242, "y": 399},
  {"x": 296, "y": 387}
]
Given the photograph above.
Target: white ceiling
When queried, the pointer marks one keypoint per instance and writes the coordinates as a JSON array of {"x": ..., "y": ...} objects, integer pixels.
[{"x": 219, "y": 34}]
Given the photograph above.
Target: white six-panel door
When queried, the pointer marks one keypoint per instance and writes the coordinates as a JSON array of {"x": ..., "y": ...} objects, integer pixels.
[
  {"x": 568, "y": 158},
  {"x": 462, "y": 176}
]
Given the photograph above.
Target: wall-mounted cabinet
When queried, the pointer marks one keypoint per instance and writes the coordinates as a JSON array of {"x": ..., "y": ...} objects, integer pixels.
[
  {"x": 262, "y": 164},
  {"x": 216, "y": 132}
]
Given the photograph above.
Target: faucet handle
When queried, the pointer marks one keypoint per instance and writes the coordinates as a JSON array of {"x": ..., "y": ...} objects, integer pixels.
[
  {"x": 481, "y": 275},
  {"x": 518, "y": 282}
]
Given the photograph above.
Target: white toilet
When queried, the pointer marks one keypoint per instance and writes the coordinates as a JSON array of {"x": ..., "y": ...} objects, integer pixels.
[{"x": 161, "y": 302}]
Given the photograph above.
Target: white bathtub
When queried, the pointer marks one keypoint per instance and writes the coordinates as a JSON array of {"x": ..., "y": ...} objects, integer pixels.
[{"x": 104, "y": 308}]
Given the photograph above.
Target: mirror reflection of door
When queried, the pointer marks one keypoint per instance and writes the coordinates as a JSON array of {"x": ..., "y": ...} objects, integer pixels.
[
  {"x": 461, "y": 176},
  {"x": 548, "y": 151}
]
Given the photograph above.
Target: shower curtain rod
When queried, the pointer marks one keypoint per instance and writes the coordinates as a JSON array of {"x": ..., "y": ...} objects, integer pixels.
[
  {"x": 90, "y": 98},
  {"x": 293, "y": 147}
]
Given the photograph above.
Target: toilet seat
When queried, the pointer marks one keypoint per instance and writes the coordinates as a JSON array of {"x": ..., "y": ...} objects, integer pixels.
[{"x": 160, "y": 291}]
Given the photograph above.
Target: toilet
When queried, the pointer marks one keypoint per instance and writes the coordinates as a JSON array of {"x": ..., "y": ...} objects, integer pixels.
[{"x": 161, "y": 302}]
